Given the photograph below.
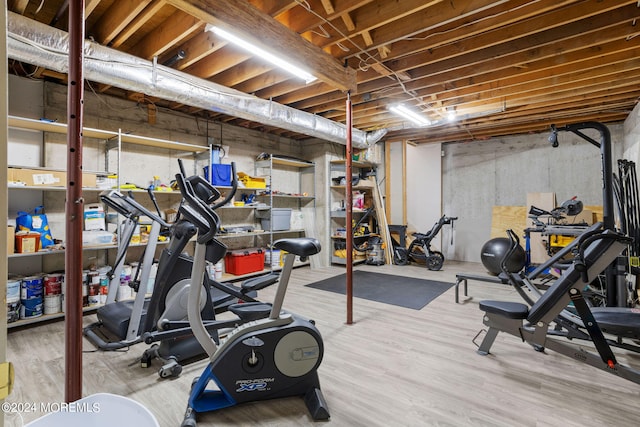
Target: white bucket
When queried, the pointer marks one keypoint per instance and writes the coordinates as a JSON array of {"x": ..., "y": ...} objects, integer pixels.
[
  {"x": 218, "y": 270},
  {"x": 13, "y": 291},
  {"x": 52, "y": 304},
  {"x": 124, "y": 291},
  {"x": 272, "y": 257}
]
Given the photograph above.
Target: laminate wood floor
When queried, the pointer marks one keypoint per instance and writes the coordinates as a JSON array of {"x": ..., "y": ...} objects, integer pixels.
[{"x": 392, "y": 367}]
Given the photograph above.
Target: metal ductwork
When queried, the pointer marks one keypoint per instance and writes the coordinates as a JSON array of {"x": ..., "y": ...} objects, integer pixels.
[{"x": 38, "y": 44}]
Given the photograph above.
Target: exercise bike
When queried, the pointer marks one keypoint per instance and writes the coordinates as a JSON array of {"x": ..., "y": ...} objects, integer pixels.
[
  {"x": 420, "y": 251},
  {"x": 272, "y": 357}
]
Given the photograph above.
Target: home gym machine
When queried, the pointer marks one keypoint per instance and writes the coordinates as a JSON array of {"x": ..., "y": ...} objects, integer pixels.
[
  {"x": 267, "y": 358},
  {"x": 597, "y": 250}
]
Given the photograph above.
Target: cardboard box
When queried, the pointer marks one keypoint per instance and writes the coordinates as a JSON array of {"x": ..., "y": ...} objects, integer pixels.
[
  {"x": 11, "y": 239},
  {"x": 46, "y": 177},
  {"x": 38, "y": 177}
]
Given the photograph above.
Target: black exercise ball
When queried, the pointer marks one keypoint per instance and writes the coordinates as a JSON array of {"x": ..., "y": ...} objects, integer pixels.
[{"x": 495, "y": 249}]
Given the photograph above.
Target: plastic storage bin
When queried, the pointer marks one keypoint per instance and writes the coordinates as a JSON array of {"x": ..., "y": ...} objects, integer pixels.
[
  {"x": 243, "y": 261},
  {"x": 98, "y": 410},
  {"x": 281, "y": 218}
]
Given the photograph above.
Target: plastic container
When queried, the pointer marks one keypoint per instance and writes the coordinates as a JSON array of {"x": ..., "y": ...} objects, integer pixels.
[
  {"x": 27, "y": 242},
  {"x": 281, "y": 218},
  {"x": 98, "y": 410},
  {"x": 244, "y": 261}
]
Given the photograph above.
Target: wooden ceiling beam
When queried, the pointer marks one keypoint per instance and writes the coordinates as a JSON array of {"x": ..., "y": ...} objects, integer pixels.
[
  {"x": 481, "y": 68},
  {"x": 273, "y": 7},
  {"x": 137, "y": 23},
  {"x": 474, "y": 52},
  {"x": 581, "y": 65},
  {"x": 173, "y": 30},
  {"x": 410, "y": 18},
  {"x": 490, "y": 49},
  {"x": 195, "y": 49},
  {"x": 208, "y": 67},
  {"x": 440, "y": 26},
  {"x": 115, "y": 19},
  {"x": 17, "y": 6},
  {"x": 243, "y": 19}
]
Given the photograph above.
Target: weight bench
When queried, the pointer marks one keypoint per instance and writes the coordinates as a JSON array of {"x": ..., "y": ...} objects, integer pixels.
[
  {"x": 601, "y": 250},
  {"x": 463, "y": 278}
]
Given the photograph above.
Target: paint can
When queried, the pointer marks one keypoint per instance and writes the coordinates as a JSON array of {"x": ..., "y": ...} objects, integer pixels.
[
  {"x": 94, "y": 293},
  {"x": 31, "y": 307},
  {"x": 52, "y": 284},
  {"x": 124, "y": 291},
  {"x": 272, "y": 257},
  {"x": 52, "y": 303},
  {"x": 31, "y": 287},
  {"x": 13, "y": 311},
  {"x": 13, "y": 290},
  {"x": 85, "y": 288},
  {"x": 104, "y": 288}
]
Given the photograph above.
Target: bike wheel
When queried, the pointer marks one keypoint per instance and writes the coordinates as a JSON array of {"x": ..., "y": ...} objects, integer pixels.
[
  {"x": 400, "y": 256},
  {"x": 435, "y": 261}
]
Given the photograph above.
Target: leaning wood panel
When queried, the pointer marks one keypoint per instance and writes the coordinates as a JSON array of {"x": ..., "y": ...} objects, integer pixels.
[{"x": 507, "y": 217}]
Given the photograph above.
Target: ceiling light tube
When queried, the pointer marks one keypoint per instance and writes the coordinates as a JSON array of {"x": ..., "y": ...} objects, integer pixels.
[
  {"x": 267, "y": 56},
  {"x": 406, "y": 113}
]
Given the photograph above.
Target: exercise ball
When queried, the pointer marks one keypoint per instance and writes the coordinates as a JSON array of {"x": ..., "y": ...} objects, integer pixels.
[{"x": 495, "y": 249}]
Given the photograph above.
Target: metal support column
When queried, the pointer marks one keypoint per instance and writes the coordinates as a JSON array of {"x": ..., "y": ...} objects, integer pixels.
[{"x": 74, "y": 206}]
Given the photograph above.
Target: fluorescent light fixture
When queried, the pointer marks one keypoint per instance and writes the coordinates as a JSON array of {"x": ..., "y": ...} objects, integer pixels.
[
  {"x": 267, "y": 56},
  {"x": 406, "y": 113}
]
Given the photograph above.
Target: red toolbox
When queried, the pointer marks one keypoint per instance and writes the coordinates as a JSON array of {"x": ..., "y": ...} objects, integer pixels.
[{"x": 243, "y": 261}]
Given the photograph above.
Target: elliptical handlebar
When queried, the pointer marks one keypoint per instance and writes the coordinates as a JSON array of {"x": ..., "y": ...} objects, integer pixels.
[
  {"x": 128, "y": 206},
  {"x": 196, "y": 211},
  {"x": 199, "y": 194}
]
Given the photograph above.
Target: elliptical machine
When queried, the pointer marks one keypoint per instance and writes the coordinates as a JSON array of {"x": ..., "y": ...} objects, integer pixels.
[
  {"x": 267, "y": 358},
  {"x": 166, "y": 317}
]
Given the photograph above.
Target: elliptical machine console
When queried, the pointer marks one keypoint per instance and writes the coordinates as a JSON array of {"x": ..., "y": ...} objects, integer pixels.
[{"x": 267, "y": 358}]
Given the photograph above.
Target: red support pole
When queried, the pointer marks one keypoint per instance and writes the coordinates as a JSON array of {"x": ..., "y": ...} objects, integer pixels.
[
  {"x": 74, "y": 207},
  {"x": 349, "y": 212}
]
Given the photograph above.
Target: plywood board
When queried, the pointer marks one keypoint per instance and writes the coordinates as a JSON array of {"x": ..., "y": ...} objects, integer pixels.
[
  {"x": 504, "y": 218},
  {"x": 538, "y": 244}
]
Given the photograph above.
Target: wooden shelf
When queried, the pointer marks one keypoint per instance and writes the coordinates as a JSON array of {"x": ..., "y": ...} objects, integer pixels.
[
  {"x": 287, "y": 196},
  {"x": 354, "y": 164},
  {"x": 234, "y": 278},
  {"x": 282, "y": 161},
  {"x": 84, "y": 248},
  {"x": 45, "y": 317},
  {"x": 49, "y": 126}
]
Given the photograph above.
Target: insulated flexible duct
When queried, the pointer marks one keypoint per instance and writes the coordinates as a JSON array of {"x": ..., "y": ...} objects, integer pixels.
[{"x": 38, "y": 44}]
